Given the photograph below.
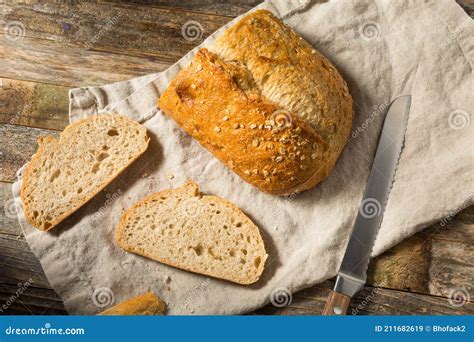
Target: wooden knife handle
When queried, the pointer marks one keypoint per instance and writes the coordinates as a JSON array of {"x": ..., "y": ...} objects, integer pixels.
[{"x": 337, "y": 304}]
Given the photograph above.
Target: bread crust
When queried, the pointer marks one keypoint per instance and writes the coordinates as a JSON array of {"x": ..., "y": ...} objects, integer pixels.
[
  {"x": 42, "y": 143},
  {"x": 145, "y": 304},
  {"x": 257, "y": 74},
  {"x": 241, "y": 127}
]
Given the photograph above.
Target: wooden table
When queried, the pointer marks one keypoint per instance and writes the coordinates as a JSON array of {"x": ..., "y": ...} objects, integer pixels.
[{"x": 86, "y": 43}]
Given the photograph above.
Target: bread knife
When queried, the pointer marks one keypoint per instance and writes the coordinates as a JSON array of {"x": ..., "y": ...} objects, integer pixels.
[{"x": 352, "y": 274}]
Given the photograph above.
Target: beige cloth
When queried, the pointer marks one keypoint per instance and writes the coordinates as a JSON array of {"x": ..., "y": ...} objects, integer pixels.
[{"x": 383, "y": 49}]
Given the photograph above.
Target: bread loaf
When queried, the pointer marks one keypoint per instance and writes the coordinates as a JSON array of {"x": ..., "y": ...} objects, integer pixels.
[
  {"x": 66, "y": 173},
  {"x": 265, "y": 103},
  {"x": 145, "y": 304},
  {"x": 199, "y": 233}
]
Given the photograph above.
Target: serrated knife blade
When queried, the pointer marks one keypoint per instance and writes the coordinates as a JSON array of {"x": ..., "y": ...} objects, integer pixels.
[{"x": 352, "y": 273}]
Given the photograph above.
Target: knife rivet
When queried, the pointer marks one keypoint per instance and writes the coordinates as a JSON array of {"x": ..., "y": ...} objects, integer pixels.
[{"x": 337, "y": 310}]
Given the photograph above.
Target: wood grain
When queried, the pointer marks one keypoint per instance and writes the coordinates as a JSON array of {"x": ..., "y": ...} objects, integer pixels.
[
  {"x": 460, "y": 228},
  {"x": 155, "y": 32},
  {"x": 336, "y": 304},
  {"x": 91, "y": 43},
  {"x": 468, "y": 6},
  {"x": 451, "y": 269},
  {"x": 24, "y": 298},
  {"x": 33, "y": 104},
  {"x": 370, "y": 301},
  {"x": 17, "y": 145},
  {"x": 421, "y": 263},
  {"x": 71, "y": 66},
  {"x": 219, "y": 7},
  {"x": 404, "y": 267}
]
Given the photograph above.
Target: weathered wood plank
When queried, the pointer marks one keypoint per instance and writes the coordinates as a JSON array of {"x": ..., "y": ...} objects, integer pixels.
[
  {"x": 25, "y": 298},
  {"x": 370, "y": 301},
  {"x": 468, "y": 6},
  {"x": 17, "y": 145},
  {"x": 459, "y": 228},
  {"x": 12, "y": 248},
  {"x": 219, "y": 7},
  {"x": 91, "y": 43},
  {"x": 17, "y": 262},
  {"x": 12, "y": 273},
  {"x": 430, "y": 266},
  {"x": 452, "y": 268},
  {"x": 404, "y": 267},
  {"x": 166, "y": 34},
  {"x": 33, "y": 104},
  {"x": 71, "y": 67},
  {"x": 466, "y": 216}
]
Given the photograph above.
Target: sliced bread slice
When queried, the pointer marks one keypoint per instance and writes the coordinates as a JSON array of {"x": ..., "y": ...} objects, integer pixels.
[
  {"x": 198, "y": 233},
  {"x": 66, "y": 173}
]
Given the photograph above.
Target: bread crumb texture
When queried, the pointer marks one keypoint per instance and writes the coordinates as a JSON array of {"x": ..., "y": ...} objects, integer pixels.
[
  {"x": 261, "y": 90},
  {"x": 66, "y": 173},
  {"x": 199, "y": 233}
]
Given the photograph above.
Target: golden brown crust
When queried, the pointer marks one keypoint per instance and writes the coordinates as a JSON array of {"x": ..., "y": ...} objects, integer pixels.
[
  {"x": 145, "y": 304},
  {"x": 264, "y": 144},
  {"x": 42, "y": 143},
  {"x": 291, "y": 73},
  {"x": 261, "y": 73}
]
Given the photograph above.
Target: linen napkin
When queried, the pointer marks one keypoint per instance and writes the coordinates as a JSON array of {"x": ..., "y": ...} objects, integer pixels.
[{"x": 383, "y": 49}]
